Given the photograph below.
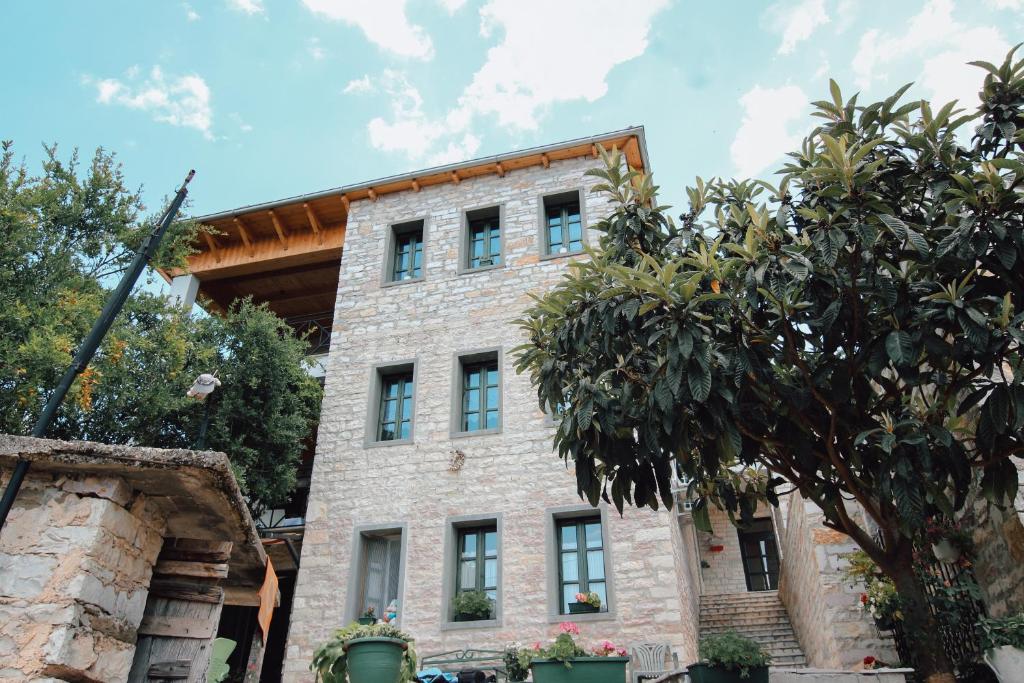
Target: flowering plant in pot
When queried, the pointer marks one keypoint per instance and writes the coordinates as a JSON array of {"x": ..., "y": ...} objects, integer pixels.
[
  {"x": 472, "y": 606},
  {"x": 948, "y": 539},
  {"x": 366, "y": 653},
  {"x": 730, "y": 658},
  {"x": 516, "y": 670},
  {"x": 565, "y": 661},
  {"x": 586, "y": 603},
  {"x": 1002, "y": 641},
  {"x": 368, "y": 617},
  {"x": 879, "y": 598}
]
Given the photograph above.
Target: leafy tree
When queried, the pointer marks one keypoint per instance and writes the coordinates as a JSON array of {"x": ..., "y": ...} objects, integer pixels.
[
  {"x": 65, "y": 235},
  {"x": 853, "y": 331}
]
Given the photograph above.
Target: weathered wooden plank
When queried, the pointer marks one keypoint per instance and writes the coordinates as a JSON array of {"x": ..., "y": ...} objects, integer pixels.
[
  {"x": 153, "y": 648},
  {"x": 201, "y": 569},
  {"x": 170, "y": 670},
  {"x": 177, "y": 627},
  {"x": 192, "y": 591},
  {"x": 190, "y": 555}
]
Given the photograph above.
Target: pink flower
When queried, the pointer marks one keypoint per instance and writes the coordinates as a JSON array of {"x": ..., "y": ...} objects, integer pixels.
[
  {"x": 569, "y": 627},
  {"x": 622, "y": 652},
  {"x": 536, "y": 646},
  {"x": 581, "y": 597}
]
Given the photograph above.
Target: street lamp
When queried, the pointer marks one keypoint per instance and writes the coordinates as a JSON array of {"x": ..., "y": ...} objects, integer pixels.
[{"x": 200, "y": 389}]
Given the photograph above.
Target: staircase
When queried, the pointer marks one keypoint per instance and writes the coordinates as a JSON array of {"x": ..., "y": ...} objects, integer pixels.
[{"x": 760, "y": 616}]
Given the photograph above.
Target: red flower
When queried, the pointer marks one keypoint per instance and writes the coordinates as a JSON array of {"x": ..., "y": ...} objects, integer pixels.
[
  {"x": 863, "y": 598},
  {"x": 869, "y": 660}
]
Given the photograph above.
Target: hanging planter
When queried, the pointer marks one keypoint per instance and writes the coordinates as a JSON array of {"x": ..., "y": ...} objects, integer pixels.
[{"x": 946, "y": 551}]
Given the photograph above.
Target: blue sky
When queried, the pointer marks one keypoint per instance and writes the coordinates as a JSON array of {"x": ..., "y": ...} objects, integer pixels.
[{"x": 270, "y": 98}]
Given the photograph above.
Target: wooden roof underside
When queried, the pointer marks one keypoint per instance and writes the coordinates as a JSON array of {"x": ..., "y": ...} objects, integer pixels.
[{"x": 288, "y": 255}]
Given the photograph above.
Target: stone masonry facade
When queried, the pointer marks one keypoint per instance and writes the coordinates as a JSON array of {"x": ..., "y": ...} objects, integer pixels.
[
  {"x": 76, "y": 558},
  {"x": 512, "y": 475}
]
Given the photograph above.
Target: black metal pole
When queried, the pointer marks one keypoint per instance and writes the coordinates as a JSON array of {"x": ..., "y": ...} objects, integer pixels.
[{"x": 88, "y": 348}]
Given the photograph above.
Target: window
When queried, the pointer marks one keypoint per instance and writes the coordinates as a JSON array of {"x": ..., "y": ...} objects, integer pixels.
[
  {"x": 477, "y": 562},
  {"x": 483, "y": 238},
  {"x": 581, "y": 567},
  {"x": 406, "y": 254},
  {"x": 480, "y": 396},
  {"x": 391, "y": 406},
  {"x": 563, "y": 224},
  {"x": 380, "y": 570},
  {"x": 396, "y": 407}
]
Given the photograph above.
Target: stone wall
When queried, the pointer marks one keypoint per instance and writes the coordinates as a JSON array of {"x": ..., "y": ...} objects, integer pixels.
[
  {"x": 825, "y": 611},
  {"x": 76, "y": 557},
  {"x": 513, "y": 473},
  {"x": 999, "y": 551},
  {"x": 724, "y": 573}
]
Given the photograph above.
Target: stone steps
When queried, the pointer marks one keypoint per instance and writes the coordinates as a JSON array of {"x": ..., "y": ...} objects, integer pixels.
[{"x": 759, "y": 616}]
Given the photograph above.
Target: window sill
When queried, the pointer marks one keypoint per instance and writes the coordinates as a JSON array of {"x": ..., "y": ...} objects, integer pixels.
[
  {"x": 396, "y": 283},
  {"x": 385, "y": 444},
  {"x": 479, "y": 269},
  {"x": 551, "y": 257},
  {"x": 479, "y": 432},
  {"x": 593, "y": 616},
  {"x": 468, "y": 625}
]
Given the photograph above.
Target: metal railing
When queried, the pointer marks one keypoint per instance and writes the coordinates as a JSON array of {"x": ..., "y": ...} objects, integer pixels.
[{"x": 315, "y": 329}]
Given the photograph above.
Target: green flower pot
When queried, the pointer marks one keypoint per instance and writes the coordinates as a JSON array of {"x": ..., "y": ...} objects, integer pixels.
[
  {"x": 705, "y": 673},
  {"x": 584, "y": 670},
  {"x": 374, "y": 660},
  {"x": 583, "y": 608},
  {"x": 367, "y": 621}
]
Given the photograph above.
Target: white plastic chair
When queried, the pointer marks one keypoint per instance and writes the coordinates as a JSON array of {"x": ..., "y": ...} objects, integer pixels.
[{"x": 647, "y": 661}]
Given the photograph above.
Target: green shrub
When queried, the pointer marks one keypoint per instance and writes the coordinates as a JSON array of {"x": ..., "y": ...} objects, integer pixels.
[
  {"x": 732, "y": 651},
  {"x": 475, "y": 603},
  {"x": 1004, "y": 631}
]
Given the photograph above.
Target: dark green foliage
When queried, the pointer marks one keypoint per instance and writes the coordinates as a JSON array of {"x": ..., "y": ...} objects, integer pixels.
[
  {"x": 730, "y": 650},
  {"x": 854, "y": 330},
  {"x": 475, "y": 603},
  {"x": 1005, "y": 631},
  {"x": 65, "y": 236}
]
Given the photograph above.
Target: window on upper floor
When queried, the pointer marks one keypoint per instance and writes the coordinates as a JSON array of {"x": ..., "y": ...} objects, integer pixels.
[
  {"x": 562, "y": 231},
  {"x": 391, "y": 411},
  {"x": 406, "y": 255},
  {"x": 478, "y": 391},
  {"x": 482, "y": 247}
]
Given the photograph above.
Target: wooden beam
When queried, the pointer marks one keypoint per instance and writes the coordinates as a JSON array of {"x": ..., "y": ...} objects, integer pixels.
[
  {"x": 176, "y": 670},
  {"x": 501, "y": 169},
  {"x": 190, "y": 591},
  {"x": 372, "y": 194},
  {"x": 415, "y": 185},
  {"x": 593, "y": 151},
  {"x": 196, "y": 550},
  {"x": 270, "y": 255},
  {"x": 212, "y": 244},
  {"x": 279, "y": 229},
  {"x": 314, "y": 222},
  {"x": 244, "y": 234},
  {"x": 246, "y": 597},
  {"x": 544, "y": 160},
  {"x": 206, "y": 570},
  {"x": 345, "y": 203},
  {"x": 455, "y": 177},
  {"x": 178, "y": 627}
]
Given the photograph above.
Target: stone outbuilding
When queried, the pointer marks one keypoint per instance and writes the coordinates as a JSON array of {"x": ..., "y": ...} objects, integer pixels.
[{"x": 115, "y": 561}]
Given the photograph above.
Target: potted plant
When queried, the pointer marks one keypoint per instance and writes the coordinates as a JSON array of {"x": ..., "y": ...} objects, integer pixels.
[
  {"x": 586, "y": 603},
  {"x": 368, "y": 617},
  {"x": 564, "y": 661},
  {"x": 948, "y": 539},
  {"x": 730, "y": 658},
  {"x": 516, "y": 670},
  {"x": 1002, "y": 641},
  {"x": 366, "y": 653},
  {"x": 882, "y": 602},
  {"x": 472, "y": 606}
]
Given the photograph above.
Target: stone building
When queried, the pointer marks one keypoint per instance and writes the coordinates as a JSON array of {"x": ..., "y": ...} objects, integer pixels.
[{"x": 433, "y": 473}]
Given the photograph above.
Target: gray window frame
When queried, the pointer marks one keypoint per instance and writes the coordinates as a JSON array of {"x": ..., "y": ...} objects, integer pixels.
[
  {"x": 358, "y": 559},
  {"x": 377, "y": 374},
  {"x": 393, "y": 231},
  {"x": 452, "y": 527},
  {"x": 463, "y": 358},
  {"x": 464, "y": 251},
  {"x": 542, "y": 222},
  {"x": 552, "y": 558}
]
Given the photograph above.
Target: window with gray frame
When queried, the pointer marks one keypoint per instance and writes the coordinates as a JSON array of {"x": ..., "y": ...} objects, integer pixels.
[
  {"x": 407, "y": 251},
  {"x": 380, "y": 572},
  {"x": 581, "y": 567},
  {"x": 483, "y": 235},
  {"x": 563, "y": 223},
  {"x": 477, "y": 561},
  {"x": 394, "y": 417},
  {"x": 481, "y": 395}
]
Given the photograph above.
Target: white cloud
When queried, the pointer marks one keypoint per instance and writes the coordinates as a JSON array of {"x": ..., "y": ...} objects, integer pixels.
[
  {"x": 796, "y": 23},
  {"x": 190, "y": 13},
  {"x": 177, "y": 100},
  {"x": 767, "y": 132},
  {"x": 247, "y": 6},
  {"x": 452, "y": 6},
  {"x": 517, "y": 83},
  {"x": 383, "y": 22},
  {"x": 315, "y": 50},
  {"x": 942, "y": 44},
  {"x": 1005, "y": 4}
]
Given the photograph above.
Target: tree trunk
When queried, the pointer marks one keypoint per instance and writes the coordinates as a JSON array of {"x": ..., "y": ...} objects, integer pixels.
[{"x": 920, "y": 627}]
